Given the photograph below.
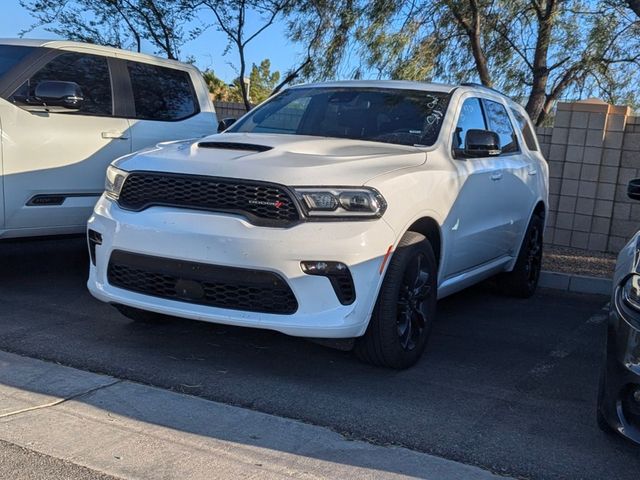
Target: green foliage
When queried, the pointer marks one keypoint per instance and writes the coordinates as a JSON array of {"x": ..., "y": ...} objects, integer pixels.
[{"x": 262, "y": 81}]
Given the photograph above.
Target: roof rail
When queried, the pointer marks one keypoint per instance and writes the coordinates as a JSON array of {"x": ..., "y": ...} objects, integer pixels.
[{"x": 479, "y": 85}]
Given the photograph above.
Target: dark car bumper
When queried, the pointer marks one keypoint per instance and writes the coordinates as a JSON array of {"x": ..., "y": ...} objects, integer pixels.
[{"x": 618, "y": 403}]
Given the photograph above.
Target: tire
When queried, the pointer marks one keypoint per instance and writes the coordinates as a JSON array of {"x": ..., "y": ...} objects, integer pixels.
[
  {"x": 142, "y": 316},
  {"x": 405, "y": 310},
  {"x": 601, "y": 420},
  {"x": 522, "y": 281}
]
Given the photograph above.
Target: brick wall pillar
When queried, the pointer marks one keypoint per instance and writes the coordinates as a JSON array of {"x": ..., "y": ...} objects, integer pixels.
[{"x": 584, "y": 154}]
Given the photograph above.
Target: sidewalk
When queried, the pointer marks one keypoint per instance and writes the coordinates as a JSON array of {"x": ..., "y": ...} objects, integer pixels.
[{"x": 127, "y": 430}]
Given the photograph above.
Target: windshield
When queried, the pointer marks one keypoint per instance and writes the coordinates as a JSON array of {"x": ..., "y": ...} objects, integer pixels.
[
  {"x": 405, "y": 117},
  {"x": 11, "y": 55}
]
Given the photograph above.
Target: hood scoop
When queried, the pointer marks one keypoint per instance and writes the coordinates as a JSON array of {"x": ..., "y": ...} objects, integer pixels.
[{"x": 235, "y": 146}]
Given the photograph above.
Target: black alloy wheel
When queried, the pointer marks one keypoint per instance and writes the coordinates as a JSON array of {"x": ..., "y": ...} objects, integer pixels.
[{"x": 405, "y": 310}]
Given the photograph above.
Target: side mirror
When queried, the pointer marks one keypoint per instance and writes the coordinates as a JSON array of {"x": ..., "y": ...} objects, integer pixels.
[
  {"x": 482, "y": 143},
  {"x": 58, "y": 96},
  {"x": 633, "y": 189},
  {"x": 225, "y": 123}
]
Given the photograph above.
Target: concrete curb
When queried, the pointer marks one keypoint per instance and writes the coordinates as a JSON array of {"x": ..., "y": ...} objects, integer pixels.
[
  {"x": 133, "y": 431},
  {"x": 576, "y": 283}
]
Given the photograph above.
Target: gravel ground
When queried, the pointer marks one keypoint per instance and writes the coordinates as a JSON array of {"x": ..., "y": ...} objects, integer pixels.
[{"x": 578, "y": 262}]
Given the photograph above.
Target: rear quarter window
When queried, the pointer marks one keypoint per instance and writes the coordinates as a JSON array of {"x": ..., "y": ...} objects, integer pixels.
[
  {"x": 525, "y": 128},
  {"x": 161, "y": 93}
]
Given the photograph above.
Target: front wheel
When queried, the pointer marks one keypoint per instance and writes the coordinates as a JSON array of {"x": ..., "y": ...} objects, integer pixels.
[{"x": 405, "y": 310}]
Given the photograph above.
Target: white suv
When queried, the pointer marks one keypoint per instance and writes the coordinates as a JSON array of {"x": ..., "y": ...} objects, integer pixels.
[
  {"x": 333, "y": 210},
  {"x": 67, "y": 110}
]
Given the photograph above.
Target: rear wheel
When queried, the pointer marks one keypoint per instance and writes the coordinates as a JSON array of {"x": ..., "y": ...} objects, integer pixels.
[
  {"x": 405, "y": 310},
  {"x": 522, "y": 281},
  {"x": 142, "y": 316}
]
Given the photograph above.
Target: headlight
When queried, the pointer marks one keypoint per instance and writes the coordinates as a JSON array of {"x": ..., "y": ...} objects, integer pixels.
[
  {"x": 114, "y": 181},
  {"x": 631, "y": 292},
  {"x": 328, "y": 202}
]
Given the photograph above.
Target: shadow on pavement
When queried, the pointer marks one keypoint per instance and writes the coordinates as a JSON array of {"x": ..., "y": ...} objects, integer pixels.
[{"x": 506, "y": 384}]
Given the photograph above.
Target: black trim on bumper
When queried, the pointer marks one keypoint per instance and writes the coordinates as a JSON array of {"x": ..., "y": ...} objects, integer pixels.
[{"x": 203, "y": 284}]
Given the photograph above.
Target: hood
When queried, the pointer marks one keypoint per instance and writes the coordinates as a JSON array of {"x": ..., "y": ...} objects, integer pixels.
[{"x": 292, "y": 160}]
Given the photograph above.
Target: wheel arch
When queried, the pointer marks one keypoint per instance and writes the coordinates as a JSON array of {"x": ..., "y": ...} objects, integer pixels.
[
  {"x": 430, "y": 228},
  {"x": 540, "y": 208}
]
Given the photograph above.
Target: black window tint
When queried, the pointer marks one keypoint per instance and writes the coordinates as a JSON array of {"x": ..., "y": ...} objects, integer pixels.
[
  {"x": 471, "y": 118},
  {"x": 161, "y": 93},
  {"x": 527, "y": 133},
  {"x": 285, "y": 120},
  {"x": 404, "y": 117},
  {"x": 90, "y": 72},
  {"x": 10, "y": 55},
  {"x": 499, "y": 122}
]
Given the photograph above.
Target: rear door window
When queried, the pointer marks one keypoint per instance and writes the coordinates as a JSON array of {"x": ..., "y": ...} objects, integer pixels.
[
  {"x": 161, "y": 93},
  {"x": 90, "y": 72},
  {"x": 500, "y": 123}
]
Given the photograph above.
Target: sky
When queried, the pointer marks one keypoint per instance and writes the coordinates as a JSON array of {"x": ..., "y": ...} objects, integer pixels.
[{"x": 207, "y": 49}]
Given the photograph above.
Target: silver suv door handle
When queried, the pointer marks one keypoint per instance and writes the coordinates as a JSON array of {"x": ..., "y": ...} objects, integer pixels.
[
  {"x": 532, "y": 172},
  {"x": 496, "y": 176},
  {"x": 115, "y": 135}
]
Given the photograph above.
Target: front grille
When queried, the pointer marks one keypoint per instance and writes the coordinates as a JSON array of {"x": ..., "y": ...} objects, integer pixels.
[
  {"x": 213, "y": 285},
  {"x": 262, "y": 204}
]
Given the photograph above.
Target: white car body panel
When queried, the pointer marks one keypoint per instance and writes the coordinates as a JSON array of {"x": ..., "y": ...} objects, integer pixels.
[
  {"x": 294, "y": 159},
  {"x": 65, "y": 153},
  {"x": 481, "y": 219}
]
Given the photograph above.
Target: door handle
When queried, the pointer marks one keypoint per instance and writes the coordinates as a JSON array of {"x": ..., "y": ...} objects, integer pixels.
[
  {"x": 496, "y": 176},
  {"x": 532, "y": 172},
  {"x": 115, "y": 135}
]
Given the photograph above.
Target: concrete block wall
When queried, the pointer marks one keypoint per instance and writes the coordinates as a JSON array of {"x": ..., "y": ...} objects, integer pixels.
[
  {"x": 593, "y": 150},
  {"x": 229, "y": 109}
]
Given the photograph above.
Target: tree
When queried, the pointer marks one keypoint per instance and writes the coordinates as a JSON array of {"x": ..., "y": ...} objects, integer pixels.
[
  {"x": 262, "y": 81},
  {"x": 261, "y": 85},
  {"x": 117, "y": 23},
  {"x": 537, "y": 50},
  {"x": 230, "y": 17},
  {"x": 219, "y": 89}
]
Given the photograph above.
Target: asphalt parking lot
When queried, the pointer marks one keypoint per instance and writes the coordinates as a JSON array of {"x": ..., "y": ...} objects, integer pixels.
[{"x": 508, "y": 385}]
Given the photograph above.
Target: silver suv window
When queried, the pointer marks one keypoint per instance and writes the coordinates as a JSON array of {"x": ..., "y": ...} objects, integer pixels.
[
  {"x": 90, "y": 72},
  {"x": 161, "y": 93}
]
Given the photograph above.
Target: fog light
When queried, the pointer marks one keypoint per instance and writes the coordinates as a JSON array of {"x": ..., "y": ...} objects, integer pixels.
[
  {"x": 339, "y": 276},
  {"x": 636, "y": 395}
]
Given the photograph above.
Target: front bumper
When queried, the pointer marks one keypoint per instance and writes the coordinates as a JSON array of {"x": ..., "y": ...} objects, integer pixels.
[
  {"x": 228, "y": 240},
  {"x": 621, "y": 376}
]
